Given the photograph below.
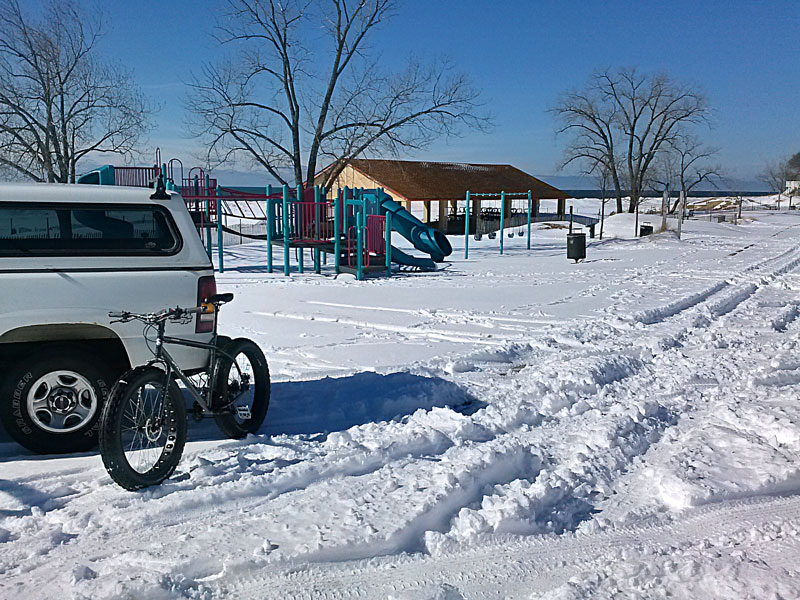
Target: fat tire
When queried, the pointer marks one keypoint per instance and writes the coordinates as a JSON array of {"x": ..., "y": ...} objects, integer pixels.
[
  {"x": 111, "y": 449},
  {"x": 258, "y": 411},
  {"x": 14, "y": 390}
]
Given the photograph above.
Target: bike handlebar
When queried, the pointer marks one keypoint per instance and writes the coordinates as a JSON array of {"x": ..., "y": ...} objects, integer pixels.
[{"x": 175, "y": 314}]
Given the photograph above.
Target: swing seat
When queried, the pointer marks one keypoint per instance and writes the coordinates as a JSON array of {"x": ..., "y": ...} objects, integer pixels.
[
  {"x": 492, "y": 235},
  {"x": 510, "y": 234},
  {"x": 477, "y": 237}
]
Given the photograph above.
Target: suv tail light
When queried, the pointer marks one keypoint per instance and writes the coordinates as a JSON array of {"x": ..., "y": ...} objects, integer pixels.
[{"x": 206, "y": 286}]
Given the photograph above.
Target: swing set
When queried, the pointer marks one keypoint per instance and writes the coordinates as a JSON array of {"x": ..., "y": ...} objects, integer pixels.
[{"x": 489, "y": 219}]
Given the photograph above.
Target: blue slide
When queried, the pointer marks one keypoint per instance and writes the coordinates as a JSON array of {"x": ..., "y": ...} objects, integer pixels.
[
  {"x": 423, "y": 238},
  {"x": 402, "y": 258}
]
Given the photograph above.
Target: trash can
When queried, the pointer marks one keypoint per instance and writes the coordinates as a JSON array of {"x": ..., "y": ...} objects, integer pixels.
[
  {"x": 576, "y": 246},
  {"x": 645, "y": 229}
]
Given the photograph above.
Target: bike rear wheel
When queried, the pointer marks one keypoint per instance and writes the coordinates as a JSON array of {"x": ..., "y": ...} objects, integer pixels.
[
  {"x": 242, "y": 388},
  {"x": 142, "y": 429}
]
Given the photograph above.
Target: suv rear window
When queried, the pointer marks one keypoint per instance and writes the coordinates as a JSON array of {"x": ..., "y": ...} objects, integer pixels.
[{"x": 28, "y": 229}]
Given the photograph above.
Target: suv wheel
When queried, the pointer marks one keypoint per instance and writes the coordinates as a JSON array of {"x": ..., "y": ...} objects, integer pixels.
[{"x": 51, "y": 402}]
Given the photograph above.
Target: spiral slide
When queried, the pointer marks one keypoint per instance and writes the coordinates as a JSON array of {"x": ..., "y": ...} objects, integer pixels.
[{"x": 423, "y": 238}]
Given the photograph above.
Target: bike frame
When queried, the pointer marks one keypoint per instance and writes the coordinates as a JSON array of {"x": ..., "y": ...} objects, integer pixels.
[{"x": 162, "y": 355}]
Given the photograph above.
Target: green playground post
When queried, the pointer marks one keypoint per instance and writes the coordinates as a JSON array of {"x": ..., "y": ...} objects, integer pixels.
[
  {"x": 466, "y": 229},
  {"x": 530, "y": 208},
  {"x": 388, "y": 243},
  {"x": 337, "y": 241},
  {"x": 297, "y": 222},
  {"x": 360, "y": 244},
  {"x": 269, "y": 229},
  {"x": 502, "y": 218},
  {"x": 208, "y": 214},
  {"x": 219, "y": 231},
  {"x": 285, "y": 223}
]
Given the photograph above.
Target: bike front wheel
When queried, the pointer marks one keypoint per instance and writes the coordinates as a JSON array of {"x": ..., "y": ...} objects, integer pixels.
[
  {"x": 242, "y": 388},
  {"x": 142, "y": 429}
]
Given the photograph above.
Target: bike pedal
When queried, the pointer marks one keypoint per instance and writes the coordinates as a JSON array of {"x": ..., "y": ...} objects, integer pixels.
[{"x": 243, "y": 412}]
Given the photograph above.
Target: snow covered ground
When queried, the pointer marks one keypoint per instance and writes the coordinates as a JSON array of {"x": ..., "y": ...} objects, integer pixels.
[{"x": 512, "y": 426}]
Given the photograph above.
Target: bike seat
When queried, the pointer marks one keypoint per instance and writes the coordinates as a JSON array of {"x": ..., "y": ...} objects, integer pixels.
[{"x": 220, "y": 298}]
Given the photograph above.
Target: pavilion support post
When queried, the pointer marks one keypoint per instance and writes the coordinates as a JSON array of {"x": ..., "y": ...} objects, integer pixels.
[
  {"x": 502, "y": 218},
  {"x": 562, "y": 209},
  {"x": 530, "y": 210},
  {"x": 476, "y": 215},
  {"x": 442, "y": 216},
  {"x": 427, "y": 212}
]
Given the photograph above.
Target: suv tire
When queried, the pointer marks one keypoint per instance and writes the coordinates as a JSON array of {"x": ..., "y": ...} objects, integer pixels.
[{"x": 50, "y": 401}]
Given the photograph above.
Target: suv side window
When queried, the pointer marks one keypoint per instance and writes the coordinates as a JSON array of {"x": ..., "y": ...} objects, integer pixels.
[{"x": 67, "y": 229}]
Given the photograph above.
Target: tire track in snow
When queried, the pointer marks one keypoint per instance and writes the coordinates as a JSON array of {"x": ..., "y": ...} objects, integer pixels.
[
  {"x": 433, "y": 334},
  {"x": 734, "y": 369},
  {"x": 532, "y": 565},
  {"x": 739, "y": 292},
  {"x": 717, "y": 309}
]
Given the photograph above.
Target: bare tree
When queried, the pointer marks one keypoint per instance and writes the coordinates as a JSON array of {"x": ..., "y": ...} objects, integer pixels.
[
  {"x": 629, "y": 115},
  {"x": 602, "y": 176},
  {"x": 664, "y": 174},
  {"x": 285, "y": 103},
  {"x": 58, "y": 102},
  {"x": 774, "y": 176},
  {"x": 593, "y": 122},
  {"x": 692, "y": 166}
]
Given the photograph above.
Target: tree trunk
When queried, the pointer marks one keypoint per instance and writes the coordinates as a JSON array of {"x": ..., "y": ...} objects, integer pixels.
[
  {"x": 603, "y": 212},
  {"x": 617, "y": 188}
]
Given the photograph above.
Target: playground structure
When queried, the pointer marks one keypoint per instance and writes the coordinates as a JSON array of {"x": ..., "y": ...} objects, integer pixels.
[{"x": 354, "y": 225}]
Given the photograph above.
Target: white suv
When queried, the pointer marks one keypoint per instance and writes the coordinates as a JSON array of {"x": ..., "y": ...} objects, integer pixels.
[{"x": 69, "y": 254}]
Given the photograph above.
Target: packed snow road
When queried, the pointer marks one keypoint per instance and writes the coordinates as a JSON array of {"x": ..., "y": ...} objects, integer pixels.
[{"x": 511, "y": 427}]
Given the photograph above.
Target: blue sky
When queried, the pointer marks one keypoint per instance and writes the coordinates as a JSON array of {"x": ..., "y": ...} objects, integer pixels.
[{"x": 745, "y": 55}]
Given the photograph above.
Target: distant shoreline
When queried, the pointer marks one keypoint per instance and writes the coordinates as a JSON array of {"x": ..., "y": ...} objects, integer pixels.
[
  {"x": 579, "y": 194},
  {"x": 588, "y": 193}
]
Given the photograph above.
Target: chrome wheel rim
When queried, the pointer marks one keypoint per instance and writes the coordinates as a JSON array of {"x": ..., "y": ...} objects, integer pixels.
[
  {"x": 241, "y": 385},
  {"x": 62, "y": 401},
  {"x": 148, "y": 431}
]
